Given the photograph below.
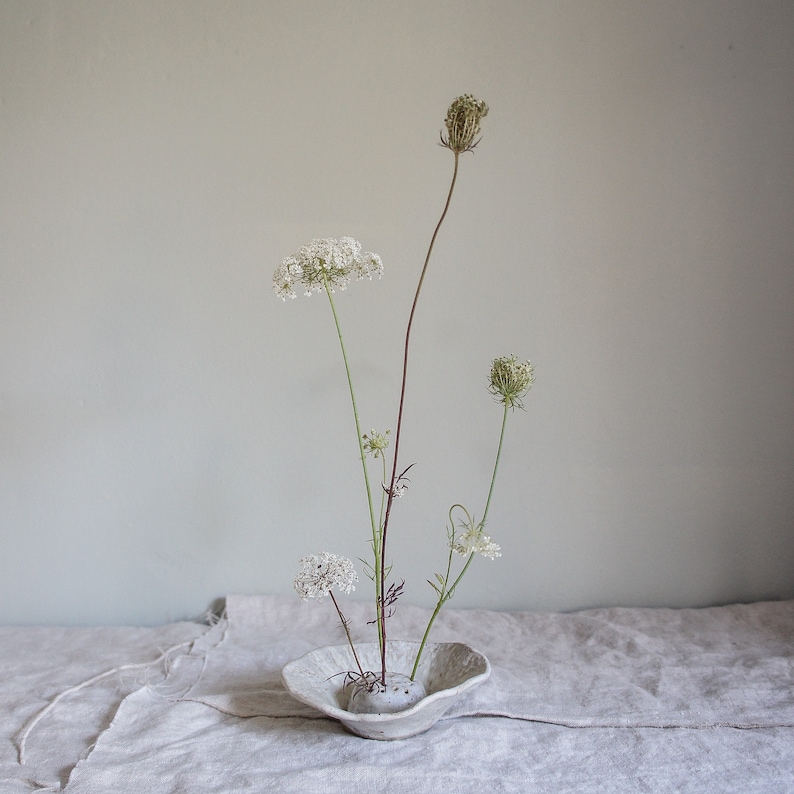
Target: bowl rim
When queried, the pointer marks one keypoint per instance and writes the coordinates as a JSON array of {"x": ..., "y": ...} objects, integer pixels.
[{"x": 435, "y": 697}]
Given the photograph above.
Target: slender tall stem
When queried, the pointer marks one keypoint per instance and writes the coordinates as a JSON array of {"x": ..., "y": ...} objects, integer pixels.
[
  {"x": 398, "y": 430},
  {"x": 377, "y": 536},
  {"x": 495, "y": 467}
]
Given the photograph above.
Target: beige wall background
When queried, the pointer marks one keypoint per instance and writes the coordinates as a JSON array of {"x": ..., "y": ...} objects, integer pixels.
[{"x": 170, "y": 431}]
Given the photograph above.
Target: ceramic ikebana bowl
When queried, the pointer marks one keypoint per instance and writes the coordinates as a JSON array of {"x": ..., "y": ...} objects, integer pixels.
[{"x": 447, "y": 671}]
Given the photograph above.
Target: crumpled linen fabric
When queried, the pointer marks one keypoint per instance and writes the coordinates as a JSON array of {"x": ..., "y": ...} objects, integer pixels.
[
  {"x": 40, "y": 664},
  {"x": 693, "y": 668},
  {"x": 606, "y": 700},
  {"x": 187, "y": 747}
]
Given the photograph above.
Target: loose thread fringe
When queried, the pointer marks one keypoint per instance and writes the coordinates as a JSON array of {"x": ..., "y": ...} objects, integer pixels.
[
  {"x": 40, "y": 715},
  {"x": 205, "y": 655}
]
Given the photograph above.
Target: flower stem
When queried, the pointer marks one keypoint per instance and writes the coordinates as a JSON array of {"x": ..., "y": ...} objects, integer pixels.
[
  {"x": 495, "y": 466},
  {"x": 398, "y": 429},
  {"x": 346, "y": 627},
  {"x": 377, "y": 534},
  {"x": 442, "y": 597},
  {"x": 447, "y": 592}
]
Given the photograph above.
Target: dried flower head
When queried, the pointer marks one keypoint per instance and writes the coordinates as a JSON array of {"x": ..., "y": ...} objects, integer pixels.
[
  {"x": 375, "y": 443},
  {"x": 511, "y": 380},
  {"x": 400, "y": 484},
  {"x": 326, "y": 261},
  {"x": 463, "y": 123},
  {"x": 321, "y": 573},
  {"x": 473, "y": 541}
]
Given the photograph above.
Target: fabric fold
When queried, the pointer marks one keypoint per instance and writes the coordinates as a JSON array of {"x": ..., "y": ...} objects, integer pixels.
[{"x": 691, "y": 668}]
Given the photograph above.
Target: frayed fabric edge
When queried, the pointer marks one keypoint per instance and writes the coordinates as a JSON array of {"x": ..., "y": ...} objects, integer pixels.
[{"x": 167, "y": 658}]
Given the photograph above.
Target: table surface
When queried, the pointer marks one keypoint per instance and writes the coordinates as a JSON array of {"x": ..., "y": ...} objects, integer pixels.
[{"x": 605, "y": 700}]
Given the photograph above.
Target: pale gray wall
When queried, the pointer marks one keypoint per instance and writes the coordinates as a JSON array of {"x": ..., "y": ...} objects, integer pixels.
[{"x": 170, "y": 431}]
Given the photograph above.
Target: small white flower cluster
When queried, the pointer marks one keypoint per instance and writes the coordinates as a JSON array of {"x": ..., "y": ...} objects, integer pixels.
[
  {"x": 326, "y": 261},
  {"x": 321, "y": 573},
  {"x": 375, "y": 443},
  {"x": 473, "y": 541}
]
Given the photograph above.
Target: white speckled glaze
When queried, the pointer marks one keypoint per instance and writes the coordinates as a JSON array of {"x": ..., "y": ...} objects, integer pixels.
[{"x": 447, "y": 671}]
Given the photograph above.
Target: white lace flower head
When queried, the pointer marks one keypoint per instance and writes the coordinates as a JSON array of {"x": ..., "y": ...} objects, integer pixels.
[
  {"x": 326, "y": 261},
  {"x": 474, "y": 541},
  {"x": 321, "y": 573}
]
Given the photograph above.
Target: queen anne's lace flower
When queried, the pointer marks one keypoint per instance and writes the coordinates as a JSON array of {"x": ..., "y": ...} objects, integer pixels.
[
  {"x": 463, "y": 123},
  {"x": 375, "y": 443},
  {"x": 335, "y": 262},
  {"x": 510, "y": 380},
  {"x": 473, "y": 541},
  {"x": 321, "y": 573}
]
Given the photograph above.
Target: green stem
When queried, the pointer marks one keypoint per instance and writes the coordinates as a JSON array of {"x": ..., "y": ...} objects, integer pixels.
[
  {"x": 447, "y": 592},
  {"x": 442, "y": 597},
  {"x": 495, "y": 466},
  {"x": 377, "y": 535}
]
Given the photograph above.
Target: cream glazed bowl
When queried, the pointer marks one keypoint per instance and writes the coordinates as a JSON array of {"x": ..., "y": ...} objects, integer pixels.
[{"x": 447, "y": 671}]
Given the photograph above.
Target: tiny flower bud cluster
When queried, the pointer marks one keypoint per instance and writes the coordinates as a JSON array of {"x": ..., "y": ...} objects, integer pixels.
[
  {"x": 327, "y": 261},
  {"x": 375, "y": 443},
  {"x": 510, "y": 380},
  {"x": 321, "y": 573},
  {"x": 463, "y": 123},
  {"x": 473, "y": 541}
]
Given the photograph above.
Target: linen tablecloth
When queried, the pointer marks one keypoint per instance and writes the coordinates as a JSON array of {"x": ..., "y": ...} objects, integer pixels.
[{"x": 599, "y": 700}]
